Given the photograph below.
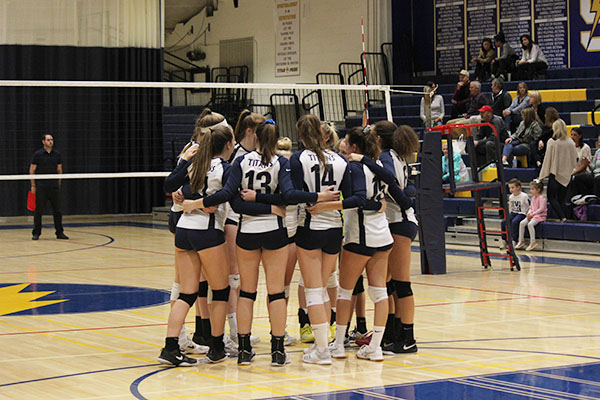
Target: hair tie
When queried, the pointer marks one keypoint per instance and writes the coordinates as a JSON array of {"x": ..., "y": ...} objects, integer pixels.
[
  {"x": 366, "y": 129},
  {"x": 222, "y": 123},
  {"x": 270, "y": 122}
]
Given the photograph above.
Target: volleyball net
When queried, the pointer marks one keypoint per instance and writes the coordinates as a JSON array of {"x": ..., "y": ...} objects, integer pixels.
[{"x": 118, "y": 140}]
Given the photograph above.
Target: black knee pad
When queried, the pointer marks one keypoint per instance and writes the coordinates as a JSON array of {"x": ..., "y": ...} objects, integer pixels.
[
  {"x": 391, "y": 287},
  {"x": 203, "y": 289},
  {"x": 403, "y": 289},
  {"x": 189, "y": 298},
  {"x": 251, "y": 296},
  {"x": 221, "y": 294},
  {"x": 359, "y": 287},
  {"x": 276, "y": 296}
]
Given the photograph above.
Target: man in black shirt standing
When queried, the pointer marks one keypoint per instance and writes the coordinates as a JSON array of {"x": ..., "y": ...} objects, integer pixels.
[{"x": 46, "y": 161}]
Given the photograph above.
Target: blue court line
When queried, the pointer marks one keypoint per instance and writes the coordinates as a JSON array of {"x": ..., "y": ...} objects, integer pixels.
[
  {"x": 78, "y": 374},
  {"x": 133, "y": 388},
  {"x": 496, "y": 386},
  {"x": 110, "y": 240},
  {"x": 415, "y": 249}
]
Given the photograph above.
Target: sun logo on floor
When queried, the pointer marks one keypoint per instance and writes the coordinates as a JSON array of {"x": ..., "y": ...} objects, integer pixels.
[
  {"x": 13, "y": 300},
  {"x": 35, "y": 298},
  {"x": 590, "y": 12}
]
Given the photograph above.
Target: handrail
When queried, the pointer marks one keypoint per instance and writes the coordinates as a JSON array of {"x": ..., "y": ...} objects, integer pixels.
[
  {"x": 596, "y": 109},
  {"x": 182, "y": 59}
]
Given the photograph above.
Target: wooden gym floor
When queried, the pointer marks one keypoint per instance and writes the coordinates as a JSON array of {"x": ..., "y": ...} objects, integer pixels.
[{"x": 86, "y": 318}]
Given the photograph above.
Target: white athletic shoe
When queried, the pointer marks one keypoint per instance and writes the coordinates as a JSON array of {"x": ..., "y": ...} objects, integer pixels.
[
  {"x": 365, "y": 353},
  {"x": 316, "y": 357},
  {"x": 337, "y": 351},
  {"x": 289, "y": 340},
  {"x": 310, "y": 348},
  {"x": 231, "y": 347},
  {"x": 254, "y": 340},
  {"x": 189, "y": 347},
  {"x": 502, "y": 245}
]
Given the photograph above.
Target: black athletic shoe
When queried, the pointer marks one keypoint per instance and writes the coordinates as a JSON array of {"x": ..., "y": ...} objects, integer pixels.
[
  {"x": 245, "y": 357},
  {"x": 35, "y": 236},
  {"x": 217, "y": 350},
  {"x": 62, "y": 236},
  {"x": 399, "y": 348},
  {"x": 279, "y": 358},
  {"x": 176, "y": 359},
  {"x": 215, "y": 355}
]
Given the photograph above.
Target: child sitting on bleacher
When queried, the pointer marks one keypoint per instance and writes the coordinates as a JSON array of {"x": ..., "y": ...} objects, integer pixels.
[
  {"x": 461, "y": 174},
  {"x": 518, "y": 206},
  {"x": 538, "y": 210}
]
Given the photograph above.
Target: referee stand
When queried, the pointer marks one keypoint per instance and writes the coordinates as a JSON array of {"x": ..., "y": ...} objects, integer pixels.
[{"x": 433, "y": 138}]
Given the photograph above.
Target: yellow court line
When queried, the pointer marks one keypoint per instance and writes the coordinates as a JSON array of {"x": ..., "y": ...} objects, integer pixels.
[
  {"x": 442, "y": 372},
  {"x": 102, "y": 332},
  {"x": 81, "y": 343},
  {"x": 204, "y": 394}
]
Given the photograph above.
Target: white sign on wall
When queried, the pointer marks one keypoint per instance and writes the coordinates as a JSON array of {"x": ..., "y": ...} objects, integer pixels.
[{"x": 287, "y": 37}]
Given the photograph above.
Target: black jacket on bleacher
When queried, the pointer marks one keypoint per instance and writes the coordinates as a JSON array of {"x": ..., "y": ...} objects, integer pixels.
[{"x": 501, "y": 102}]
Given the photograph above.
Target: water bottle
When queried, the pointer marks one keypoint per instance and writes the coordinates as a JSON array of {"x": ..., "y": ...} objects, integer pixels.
[{"x": 514, "y": 163}]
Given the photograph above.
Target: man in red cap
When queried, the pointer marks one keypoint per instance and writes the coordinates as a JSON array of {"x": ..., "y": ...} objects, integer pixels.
[{"x": 485, "y": 144}]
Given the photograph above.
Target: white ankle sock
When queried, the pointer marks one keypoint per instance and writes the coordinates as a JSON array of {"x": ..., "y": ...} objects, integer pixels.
[
  {"x": 340, "y": 334},
  {"x": 233, "y": 330},
  {"x": 321, "y": 332},
  {"x": 376, "y": 338}
]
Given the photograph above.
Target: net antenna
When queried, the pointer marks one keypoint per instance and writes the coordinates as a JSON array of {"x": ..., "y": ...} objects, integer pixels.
[{"x": 364, "y": 62}]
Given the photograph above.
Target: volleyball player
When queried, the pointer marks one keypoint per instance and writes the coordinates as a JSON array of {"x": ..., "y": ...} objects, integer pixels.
[
  {"x": 367, "y": 243},
  {"x": 199, "y": 241},
  {"x": 245, "y": 137},
  {"x": 200, "y": 340},
  {"x": 400, "y": 143},
  {"x": 319, "y": 237},
  {"x": 263, "y": 237}
]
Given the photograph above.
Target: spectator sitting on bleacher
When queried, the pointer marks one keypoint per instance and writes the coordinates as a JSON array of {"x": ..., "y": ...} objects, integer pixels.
[
  {"x": 461, "y": 174},
  {"x": 584, "y": 153},
  {"x": 478, "y": 99},
  {"x": 505, "y": 63},
  {"x": 537, "y": 150},
  {"x": 538, "y": 209},
  {"x": 484, "y": 142},
  {"x": 529, "y": 130},
  {"x": 483, "y": 62},
  {"x": 460, "y": 98},
  {"x": 437, "y": 107},
  {"x": 589, "y": 183},
  {"x": 518, "y": 207},
  {"x": 501, "y": 100},
  {"x": 532, "y": 61},
  {"x": 513, "y": 113},
  {"x": 535, "y": 102},
  {"x": 558, "y": 165}
]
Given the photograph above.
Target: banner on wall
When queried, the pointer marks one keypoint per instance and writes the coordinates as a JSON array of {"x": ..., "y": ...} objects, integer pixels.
[
  {"x": 461, "y": 26},
  {"x": 449, "y": 36},
  {"x": 287, "y": 38},
  {"x": 585, "y": 33},
  {"x": 481, "y": 24}
]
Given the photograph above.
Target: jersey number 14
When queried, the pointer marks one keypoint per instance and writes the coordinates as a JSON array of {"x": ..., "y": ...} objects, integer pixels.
[{"x": 328, "y": 179}]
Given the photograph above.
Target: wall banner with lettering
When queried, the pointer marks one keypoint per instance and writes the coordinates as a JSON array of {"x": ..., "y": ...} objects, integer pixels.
[
  {"x": 552, "y": 31},
  {"x": 481, "y": 24},
  {"x": 287, "y": 37},
  {"x": 585, "y": 33},
  {"x": 515, "y": 20},
  {"x": 449, "y": 36}
]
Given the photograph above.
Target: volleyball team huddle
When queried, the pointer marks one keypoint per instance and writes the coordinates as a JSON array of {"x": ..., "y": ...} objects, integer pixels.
[{"x": 242, "y": 199}]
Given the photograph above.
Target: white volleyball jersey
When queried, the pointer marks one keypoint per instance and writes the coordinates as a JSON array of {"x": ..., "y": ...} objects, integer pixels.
[
  {"x": 368, "y": 227},
  {"x": 291, "y": 219},
  {"x": 198, "y": 219},
  {"x": 316, "y": 178},
  {"x": 262, "y": 179},
  {"x": 238, "y": 151},
  {"x": 401, "y": 170}
]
